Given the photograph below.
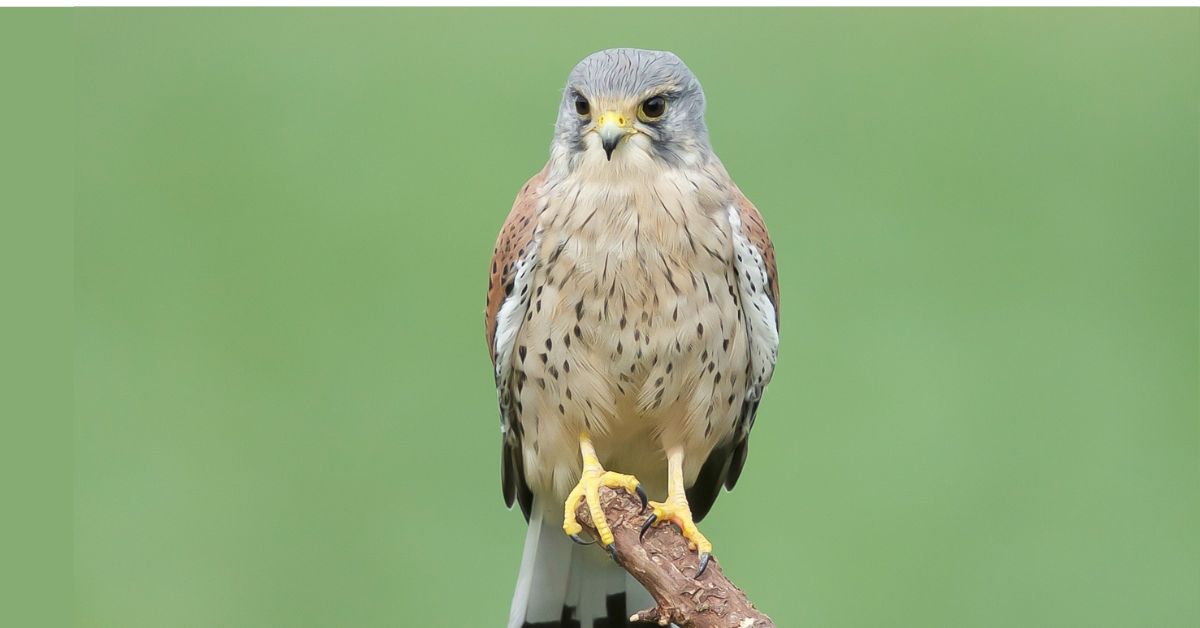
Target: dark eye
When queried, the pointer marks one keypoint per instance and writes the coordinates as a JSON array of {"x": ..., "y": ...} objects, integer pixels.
[
  {"x": 581, "y": 106},
  {"x": 653, "y": 108}
]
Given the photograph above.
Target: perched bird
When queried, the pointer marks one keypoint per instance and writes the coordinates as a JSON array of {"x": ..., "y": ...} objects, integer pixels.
[{"x": 632, "y": 319}]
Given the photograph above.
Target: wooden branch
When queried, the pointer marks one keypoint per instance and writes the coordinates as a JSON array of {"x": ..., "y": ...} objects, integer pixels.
[{"x": 664, "y": 565}]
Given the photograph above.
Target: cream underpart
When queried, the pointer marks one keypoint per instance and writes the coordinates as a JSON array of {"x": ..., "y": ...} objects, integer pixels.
[{"x": 638, "y": 255}]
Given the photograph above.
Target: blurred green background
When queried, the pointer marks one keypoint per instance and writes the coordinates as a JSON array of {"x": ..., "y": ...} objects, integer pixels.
[{"x": 985, "y": 412}]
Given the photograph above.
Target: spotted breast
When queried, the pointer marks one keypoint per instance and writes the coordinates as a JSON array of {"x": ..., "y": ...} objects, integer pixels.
[{"x": 634, "y": 332}]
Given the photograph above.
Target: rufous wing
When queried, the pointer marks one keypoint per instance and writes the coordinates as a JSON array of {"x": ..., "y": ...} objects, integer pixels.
[{"x": 513, "y": 262}]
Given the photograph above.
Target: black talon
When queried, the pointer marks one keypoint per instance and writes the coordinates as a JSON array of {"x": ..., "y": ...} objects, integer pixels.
[
  {"x": 612, "y": 551},
  {"x": 703, "y": 564},
  {"x": 575, "y": 537},
  {"x": 642, "y": 495},
  {"x": 646, "y": 525}
]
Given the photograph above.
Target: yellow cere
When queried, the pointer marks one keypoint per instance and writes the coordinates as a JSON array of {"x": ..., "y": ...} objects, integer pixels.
[{"x": 613, "y": 117}]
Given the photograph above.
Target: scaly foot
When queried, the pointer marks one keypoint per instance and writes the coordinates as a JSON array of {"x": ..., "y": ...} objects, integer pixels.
[
  {"x": 594, "y": 476},
  {"x": 677, "y": 511}
]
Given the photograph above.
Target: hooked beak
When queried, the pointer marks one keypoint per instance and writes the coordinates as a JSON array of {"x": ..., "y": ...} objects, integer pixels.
[{"x": 612, "y": 127}]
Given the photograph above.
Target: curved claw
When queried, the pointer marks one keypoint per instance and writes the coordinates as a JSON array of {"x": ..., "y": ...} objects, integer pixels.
[
  {"x": 703, "y": 563},
  {"x": 646, "y": 525},
  {"x": 642, "y": 496},
  {"x": 575, "y": 537},
  {"x": 612, "y": 551}
]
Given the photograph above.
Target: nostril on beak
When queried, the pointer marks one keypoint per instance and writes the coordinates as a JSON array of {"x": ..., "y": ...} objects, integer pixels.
[{"x": 612, "y": 127}]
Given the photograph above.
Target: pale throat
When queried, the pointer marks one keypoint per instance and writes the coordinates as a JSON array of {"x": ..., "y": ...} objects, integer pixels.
[{"x": 633, "y": 213}]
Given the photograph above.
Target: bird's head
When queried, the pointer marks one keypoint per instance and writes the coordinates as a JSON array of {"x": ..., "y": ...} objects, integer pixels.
[{"x": 623, "y": 105}]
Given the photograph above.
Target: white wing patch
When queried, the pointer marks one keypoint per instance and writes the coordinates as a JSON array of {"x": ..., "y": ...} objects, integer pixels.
[
  {"x": 757, "y": 308},
  {"x": 508, "y": 323}
]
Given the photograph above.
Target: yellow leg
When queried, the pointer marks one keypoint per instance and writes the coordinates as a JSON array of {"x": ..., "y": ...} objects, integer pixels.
[
  {"x": 677, "y": 511},
  {"x": 594, "y": 476}
]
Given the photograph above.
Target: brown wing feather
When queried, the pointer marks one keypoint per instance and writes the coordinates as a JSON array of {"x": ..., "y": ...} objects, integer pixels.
[
  {"x": 756, "y": 230},
  {"x": 511, "y": 245}
]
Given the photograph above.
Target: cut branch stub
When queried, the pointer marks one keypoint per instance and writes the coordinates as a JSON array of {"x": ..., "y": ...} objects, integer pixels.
[{"x": 664, "y": 564}]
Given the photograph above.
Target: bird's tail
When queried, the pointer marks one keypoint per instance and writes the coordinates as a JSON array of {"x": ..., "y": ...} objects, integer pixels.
[{"x": 565, "y": 585}]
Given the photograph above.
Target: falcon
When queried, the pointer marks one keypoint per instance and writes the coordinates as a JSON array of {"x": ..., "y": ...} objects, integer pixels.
[{"x": 632, "y": 319}]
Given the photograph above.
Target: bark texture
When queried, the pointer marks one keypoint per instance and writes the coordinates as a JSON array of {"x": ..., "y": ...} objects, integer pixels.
[{"x": 662, "y": 562}]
